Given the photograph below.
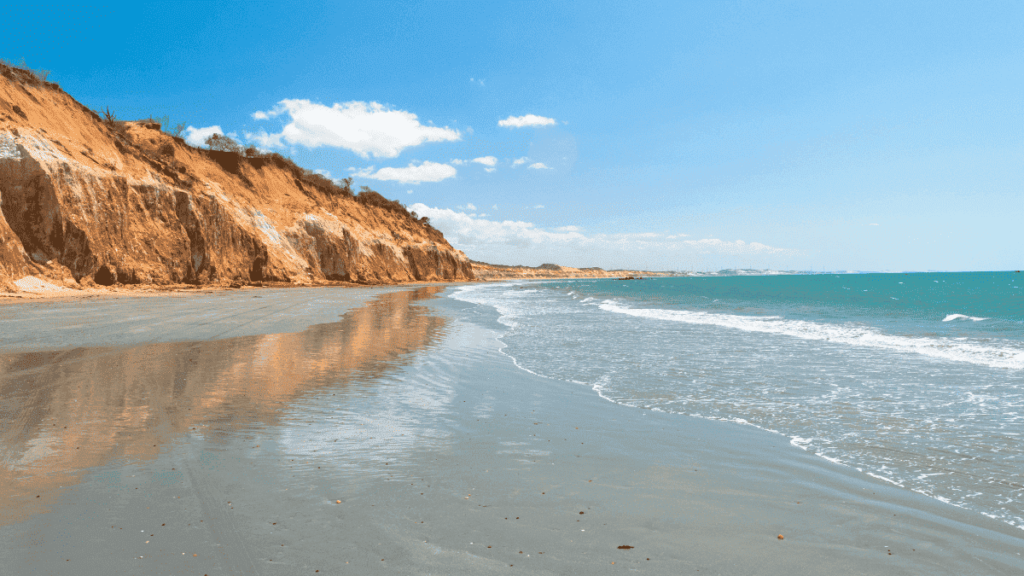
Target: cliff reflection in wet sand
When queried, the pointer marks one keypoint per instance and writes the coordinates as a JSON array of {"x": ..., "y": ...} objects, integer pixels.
[{"x": 66, "y": 411}]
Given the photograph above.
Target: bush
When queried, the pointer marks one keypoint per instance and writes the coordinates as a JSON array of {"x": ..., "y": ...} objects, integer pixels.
[
  {"x": 369, "y": 197},
  {"x": 221, "y": 143},
  {"x": 23, "y": 73}
]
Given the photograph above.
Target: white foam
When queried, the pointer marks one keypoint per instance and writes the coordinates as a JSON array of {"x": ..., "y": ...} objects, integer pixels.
[
  {"x": 952, "y": 317},
  {"x": 848, "y": 334}
]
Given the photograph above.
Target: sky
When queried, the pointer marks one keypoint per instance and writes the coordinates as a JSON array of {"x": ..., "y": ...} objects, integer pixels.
[{"x": 662, "y": 136}]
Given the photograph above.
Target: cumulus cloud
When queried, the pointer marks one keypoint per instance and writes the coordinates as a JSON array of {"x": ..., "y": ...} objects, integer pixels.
[
  {"x": 366, "y": 128},
  {"x": 520, "y": 161},
  {"x": 539, "y": 166},
  {"x": 514, "y": 240},
  {"x": 411, "y": 174},
  {"x": 197, "y": 136},
  {"x": 486, "y": 160},
  {"x": 524, "y": 121}
]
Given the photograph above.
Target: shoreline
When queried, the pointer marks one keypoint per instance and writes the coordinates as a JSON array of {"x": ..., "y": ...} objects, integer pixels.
[
  {"x": 399, "y": 439},
  {"x": 151, "y": 290}
]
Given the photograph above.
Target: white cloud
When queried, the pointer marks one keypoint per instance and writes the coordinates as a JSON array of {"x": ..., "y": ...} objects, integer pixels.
[
  {"x": 478, "y": 82},
  {"x": 539, "y": 206},
  {"x": 524, "y": 121},
  {"x": 520, "y": 161},
  {"x": 408, "y": 191},
  {"x": 511, "y": 241},
  {"x": 486, "y": 160},
  {"x": 411, "y": 174},
  {"x": 539, "y": 166},
  {"x": 457, "y": 162},
  {"x": 490, "y": 169},
  {"x": 708, "y": 245},
  {"x": 197, "y": 136},
  {"x": 366, "y": 128}
]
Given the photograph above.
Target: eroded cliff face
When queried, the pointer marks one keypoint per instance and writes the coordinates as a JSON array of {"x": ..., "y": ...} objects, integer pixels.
[{"x": 86, "y": 202}]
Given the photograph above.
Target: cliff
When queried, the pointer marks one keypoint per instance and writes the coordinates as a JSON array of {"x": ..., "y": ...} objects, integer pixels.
[
  {"x": 86, "y": 201},
  {"x": 493, "y": 272}
]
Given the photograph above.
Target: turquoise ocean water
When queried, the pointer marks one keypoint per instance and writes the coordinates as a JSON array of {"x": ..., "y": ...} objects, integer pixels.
[{"x": 916, "y": 379}]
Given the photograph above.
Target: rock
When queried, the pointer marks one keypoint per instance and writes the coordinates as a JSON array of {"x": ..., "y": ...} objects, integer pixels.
[{"x": 132, "y": 205}]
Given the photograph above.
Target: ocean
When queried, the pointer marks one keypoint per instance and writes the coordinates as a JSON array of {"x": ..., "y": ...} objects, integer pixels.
[{"x": 915, "y": 379}]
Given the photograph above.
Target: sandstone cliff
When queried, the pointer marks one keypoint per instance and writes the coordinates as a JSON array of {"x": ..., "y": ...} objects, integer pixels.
[{"x": 88, "y": 202}]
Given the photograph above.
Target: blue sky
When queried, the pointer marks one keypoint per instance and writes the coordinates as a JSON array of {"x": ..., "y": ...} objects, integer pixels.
[{"x": 794, "y": 135}]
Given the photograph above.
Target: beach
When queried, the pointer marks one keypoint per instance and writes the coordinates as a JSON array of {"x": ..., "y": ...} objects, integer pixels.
[{"x": 385, "y": 430}]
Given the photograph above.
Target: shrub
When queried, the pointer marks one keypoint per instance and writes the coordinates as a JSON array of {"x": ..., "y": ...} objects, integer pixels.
[
  {"x": 369, "y": 197},
  {"x": 23, "y": 73},
  {"x": 221, "y": 143}
]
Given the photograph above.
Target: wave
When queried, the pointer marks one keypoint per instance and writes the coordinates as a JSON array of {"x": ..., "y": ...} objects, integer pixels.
[
  {"x": 952, "y": 317},
  {"x": 852, "y": 335}
]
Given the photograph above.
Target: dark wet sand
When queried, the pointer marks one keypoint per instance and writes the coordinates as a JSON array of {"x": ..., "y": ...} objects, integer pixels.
[{"x": 395, "y": 438}]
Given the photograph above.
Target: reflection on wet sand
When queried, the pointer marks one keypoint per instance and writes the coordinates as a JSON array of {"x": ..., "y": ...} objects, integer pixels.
[{"x": 64, "y": 412}]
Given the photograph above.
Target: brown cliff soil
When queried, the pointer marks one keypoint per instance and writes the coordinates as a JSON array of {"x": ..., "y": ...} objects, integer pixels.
[
  {"x": 494, "y": 272},
  {"x": 87, "y": 202}
]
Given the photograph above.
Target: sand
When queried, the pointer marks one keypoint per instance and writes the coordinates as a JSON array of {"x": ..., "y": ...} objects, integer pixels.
[{"x": 393, "y": 437}]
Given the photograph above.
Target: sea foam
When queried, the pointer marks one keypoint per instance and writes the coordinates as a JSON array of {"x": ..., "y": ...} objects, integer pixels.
[
  {"x": 952, "y": 317},
  {"x": 849, "y": 334}
]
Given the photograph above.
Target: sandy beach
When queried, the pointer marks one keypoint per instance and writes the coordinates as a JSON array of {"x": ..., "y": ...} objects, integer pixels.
[{"x": 381, "y": 430}]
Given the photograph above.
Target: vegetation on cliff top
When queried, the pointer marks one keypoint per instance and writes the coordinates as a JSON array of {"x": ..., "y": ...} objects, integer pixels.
[{"x": 227, "y": 151}]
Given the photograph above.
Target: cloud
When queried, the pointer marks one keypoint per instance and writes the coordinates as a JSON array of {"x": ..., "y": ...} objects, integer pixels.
[
  {"x": 737, "y": 247},
  {"x": 489, "y": 169},
  {"x": 520, "y": 161},
  {"x": 477, "y": 81},
  {"x": 411, "y": 174},
  {"x": 469, "y": 206},
  {"x": 539, "y": 166},
  {"x": 486, "y": 160},
  {"x": 524, "y": 121},
  {"x": 872, "y": 224},
  {"x": 513, "y": 240},
  {"x": 197, "y": 136},
  {"x": 366, "y": 128},
  {"x": 539, "y": 206},
  {"x": 408, "y": 191},
  {"x": 457, "y": 162}
]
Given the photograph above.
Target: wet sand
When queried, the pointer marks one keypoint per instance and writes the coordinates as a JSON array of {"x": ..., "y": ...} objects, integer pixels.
[{"x": 381, "y": 431}]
